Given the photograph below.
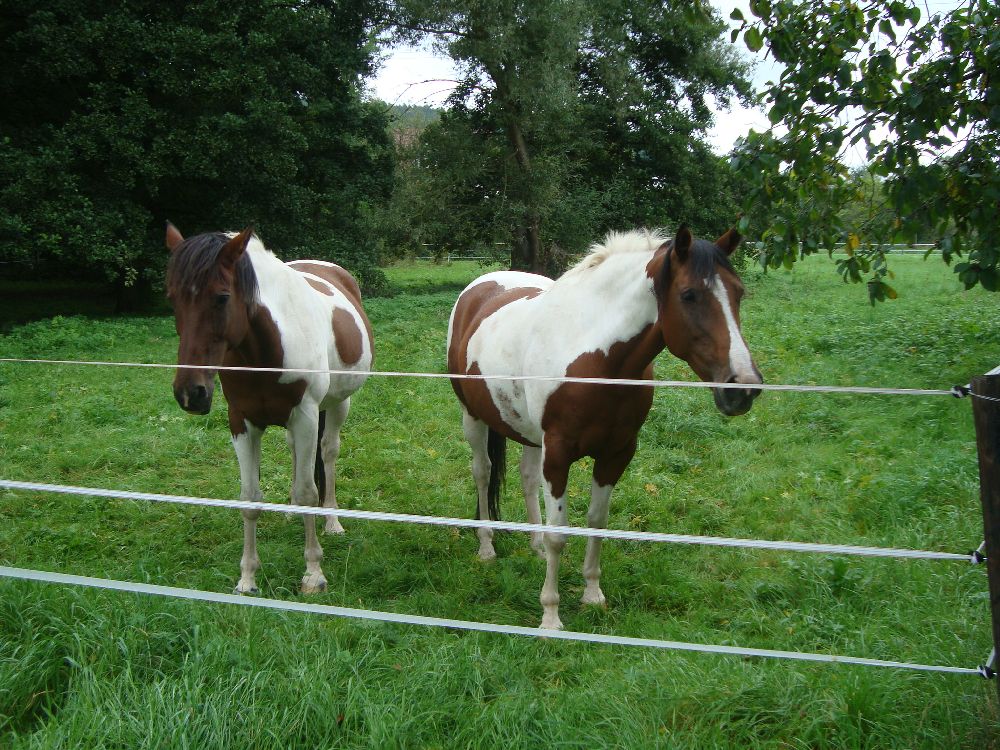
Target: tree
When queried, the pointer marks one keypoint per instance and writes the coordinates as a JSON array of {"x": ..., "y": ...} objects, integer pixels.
[
  {"x": 214, "y": 115},
  {"x": 574, "y": 117},
  {"x": 922, "y": 95}
]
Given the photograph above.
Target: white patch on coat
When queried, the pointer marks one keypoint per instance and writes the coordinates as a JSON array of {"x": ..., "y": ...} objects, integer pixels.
[
  {"x": 304, "y": 318},
  {"x": 740, "y": 361}
]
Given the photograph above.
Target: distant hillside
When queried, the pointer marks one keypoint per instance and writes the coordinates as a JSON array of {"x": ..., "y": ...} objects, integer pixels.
[
  {"x": 409, "y": 121},
  {"x": 413, "y": 116}
]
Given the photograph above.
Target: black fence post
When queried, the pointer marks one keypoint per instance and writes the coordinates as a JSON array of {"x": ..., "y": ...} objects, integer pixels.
[{"x": 986, "y": 412}]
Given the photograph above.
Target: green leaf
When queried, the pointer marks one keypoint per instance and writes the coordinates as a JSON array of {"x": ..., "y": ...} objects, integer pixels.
[
  {"x": 753, "y": 39},
  {"x": 737, "y": 15},
  {"x": 990, "y": 279}
]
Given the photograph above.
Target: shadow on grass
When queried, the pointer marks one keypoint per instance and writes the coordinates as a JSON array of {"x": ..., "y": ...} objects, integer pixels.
[{"x": 27, "y": 301}]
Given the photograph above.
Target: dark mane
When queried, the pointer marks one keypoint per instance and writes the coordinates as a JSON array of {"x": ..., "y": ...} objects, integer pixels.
[
  {"x": 194, "y": 262},
  {"x": 703, "y": 257}
]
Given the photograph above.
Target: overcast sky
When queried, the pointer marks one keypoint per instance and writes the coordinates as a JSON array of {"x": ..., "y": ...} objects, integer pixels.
[{"x": 419, "y": 76}]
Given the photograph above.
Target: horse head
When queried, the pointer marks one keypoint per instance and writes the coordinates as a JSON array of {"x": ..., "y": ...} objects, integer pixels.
[
  {"x": 212, "y": 288},
  {"x": 699, "y": 293}
]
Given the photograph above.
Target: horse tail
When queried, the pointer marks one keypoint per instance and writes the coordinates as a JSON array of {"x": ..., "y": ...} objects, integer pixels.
[
  {"x": 319, "y": 472},
  {"x": 496, "y": 449}
]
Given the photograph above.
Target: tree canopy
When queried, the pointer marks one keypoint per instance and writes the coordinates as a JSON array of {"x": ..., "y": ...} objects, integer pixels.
[
  {"x": 214, "y": 115},
  {"x": 572, "y": 117},
  {"x": 920, "y": 94}
]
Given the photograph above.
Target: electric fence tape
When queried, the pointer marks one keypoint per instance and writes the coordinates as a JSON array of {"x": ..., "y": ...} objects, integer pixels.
[
  {"x": 367, "y": 515},
  {"x": 441, "y": 622}
]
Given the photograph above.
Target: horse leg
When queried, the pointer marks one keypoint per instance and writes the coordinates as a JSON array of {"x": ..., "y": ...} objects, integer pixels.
[
  {"x": 303, "y": 426},
  {"x": 330, "y": 448},
  {"x": 607, "y": 471},
  {"x": 597, "y": 518},
  {"x": 477, "y": 433},
  {"x": 531, "y": 482},
  {"x": 555, "y": 470},
  {"x": 247, "y": 447}
]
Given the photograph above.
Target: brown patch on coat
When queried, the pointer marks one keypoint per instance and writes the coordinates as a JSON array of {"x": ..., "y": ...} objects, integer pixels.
[
  {"x": 259, "y": 397},
  {"x": 473, "y": 307},
  {"x": 347, "y": 336},
  {"x": 351, "y": 349},
  {"x": 600, "y": 420},
  {"x": 319, "y": 286},
  {"x": 336, "y": 275}
]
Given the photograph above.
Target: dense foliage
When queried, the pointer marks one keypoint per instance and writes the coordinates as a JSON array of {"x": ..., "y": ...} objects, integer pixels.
[
  {"x": 214, "y": 115},
  {"x": 571, "y": 118},
  {"x": 920, "y": 94}
]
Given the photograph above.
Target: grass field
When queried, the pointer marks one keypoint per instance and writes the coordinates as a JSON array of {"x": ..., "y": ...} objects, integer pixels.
[{"x": 80, "y": 668}]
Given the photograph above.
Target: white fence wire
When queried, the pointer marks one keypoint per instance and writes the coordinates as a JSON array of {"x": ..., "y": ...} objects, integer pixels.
[
  {"x": 368, "y": 515},
  {"x": 441, "y": 622},
  {"x": 846, "y": 389}
]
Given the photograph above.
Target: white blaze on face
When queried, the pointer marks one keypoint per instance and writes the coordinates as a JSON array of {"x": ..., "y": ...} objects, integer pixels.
[{"x": 740, "y": 361}]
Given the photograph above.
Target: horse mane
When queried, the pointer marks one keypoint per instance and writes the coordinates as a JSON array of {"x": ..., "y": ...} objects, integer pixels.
[
  {"x": 193, "y": 264},
  {"x": 618, "y": 243}
]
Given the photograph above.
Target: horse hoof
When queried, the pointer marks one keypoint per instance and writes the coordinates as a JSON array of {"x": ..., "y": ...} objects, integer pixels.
[
  {"x": 594, "y": 601},
  {"x": 551, "y": 623},
  {"x": 311, "y": 586},
  {"x": 488, "y": 555},
  {"x": 333, "y": 528},
  {"x": 252, "y": 590}
]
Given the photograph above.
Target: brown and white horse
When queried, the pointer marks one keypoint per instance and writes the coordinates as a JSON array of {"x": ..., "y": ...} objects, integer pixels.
[
  {"x": 237, "y": 305},
  {"x": 608, "y": 317}
]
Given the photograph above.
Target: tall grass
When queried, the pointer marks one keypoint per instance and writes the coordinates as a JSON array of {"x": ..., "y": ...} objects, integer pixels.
[{"x": 86, "y": 668}]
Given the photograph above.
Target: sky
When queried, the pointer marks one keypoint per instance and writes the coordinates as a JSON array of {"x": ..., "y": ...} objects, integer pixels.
[{"x": 417, "y": 75}]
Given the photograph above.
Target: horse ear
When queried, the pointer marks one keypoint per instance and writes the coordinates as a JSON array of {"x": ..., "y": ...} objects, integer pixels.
[
  {"x": 729, "y": 241},
  {"x": 682, "y": 243},
  {"x": 173, "y": 238},
  {"x": 233, "y": 250}
]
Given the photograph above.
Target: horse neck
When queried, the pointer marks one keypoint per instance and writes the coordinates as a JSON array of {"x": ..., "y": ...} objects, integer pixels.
[
  {"x": 612, "y": 308},
  {"x": 261, "y": 346}
]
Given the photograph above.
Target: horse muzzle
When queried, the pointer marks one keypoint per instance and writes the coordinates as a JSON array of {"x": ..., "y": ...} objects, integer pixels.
[
  {"x": 736, "y": 401},
  {"x": 194, "y": 399}
]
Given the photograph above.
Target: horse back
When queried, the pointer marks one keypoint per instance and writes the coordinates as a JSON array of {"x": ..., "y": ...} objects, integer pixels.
[{"x": 333, "y": 274}]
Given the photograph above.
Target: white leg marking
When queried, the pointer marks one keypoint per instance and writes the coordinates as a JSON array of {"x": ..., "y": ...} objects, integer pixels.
[
  {"x": 597, "y": 518},
  {"x": 247, "y": 447},
  {"x": 555, "y": 515},
  {"x": 531, "y": 482},
  {"x": 330, "y": 448},
  {"x": 476, "y": 432},
  {"x": 302, "y": 434}
]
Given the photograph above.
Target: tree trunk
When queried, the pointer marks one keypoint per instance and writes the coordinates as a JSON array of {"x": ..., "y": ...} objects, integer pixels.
[{"x": 527, "y": 253}]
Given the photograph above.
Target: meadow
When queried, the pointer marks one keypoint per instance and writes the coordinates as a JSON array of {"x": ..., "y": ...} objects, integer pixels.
[{"x": 83, "y": 668}]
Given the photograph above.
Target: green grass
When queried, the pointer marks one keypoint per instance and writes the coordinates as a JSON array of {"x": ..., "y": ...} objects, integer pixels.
[{"x": 99, "y": 669}]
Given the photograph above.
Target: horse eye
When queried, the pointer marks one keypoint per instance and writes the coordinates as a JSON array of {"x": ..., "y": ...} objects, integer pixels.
[
  {"x": 221, "y": 300},
  {"x": 689, "y": 295}
]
